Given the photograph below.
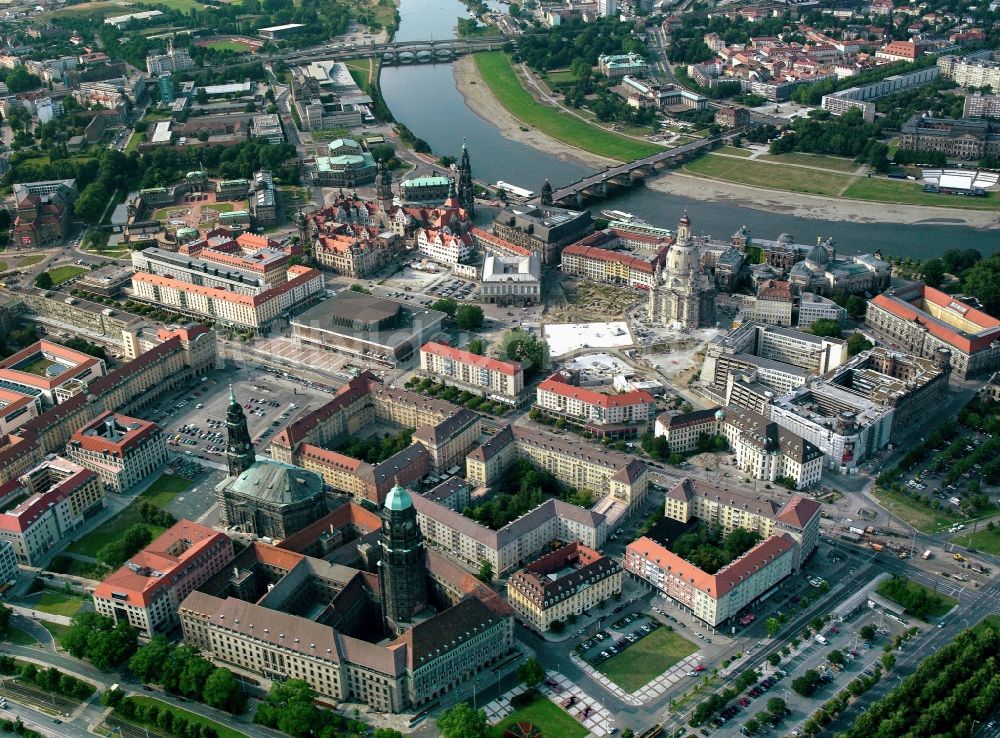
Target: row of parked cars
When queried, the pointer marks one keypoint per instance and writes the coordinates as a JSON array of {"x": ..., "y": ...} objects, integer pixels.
[{"x": 731, "y": 711}]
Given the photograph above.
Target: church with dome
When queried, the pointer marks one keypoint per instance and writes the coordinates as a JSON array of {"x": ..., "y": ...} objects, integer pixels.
[
  {"x": 682, "y": 295},
  {"x": 821, "y": 272}
]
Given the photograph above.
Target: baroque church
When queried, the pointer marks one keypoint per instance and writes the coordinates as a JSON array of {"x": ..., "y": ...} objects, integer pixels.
[{"x": 682, "y": 295}]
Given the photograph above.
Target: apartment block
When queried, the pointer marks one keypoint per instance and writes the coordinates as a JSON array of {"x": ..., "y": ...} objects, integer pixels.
[
  {"x": 147, "y": 591},
  {"x": 566, "y": 582},
  {"x": 491, "y": 378},
  {"x": 121, "y": 450},
  {"x": 683, "y": 430}
]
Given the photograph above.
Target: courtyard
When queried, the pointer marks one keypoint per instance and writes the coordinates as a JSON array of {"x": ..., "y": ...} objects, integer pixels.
[{"x": 646, "y": 659}]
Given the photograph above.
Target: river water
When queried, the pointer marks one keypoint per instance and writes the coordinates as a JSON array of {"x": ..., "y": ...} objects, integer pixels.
[{"x": 424, "y": 97}]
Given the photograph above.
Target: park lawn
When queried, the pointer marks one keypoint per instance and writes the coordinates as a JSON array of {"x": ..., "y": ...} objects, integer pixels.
[
  {"x": 548, "y": 717},
  {"x": 945, "y": 604},
  {"x": 920, "y": 517},
  {"x": 561, "y": 77},
  {"x": 773, "y": 176},
  {"x": 912, "y": 193},
  {"x": 19, "y": 637},
  {"x": 185, "y": 6},
  {"x": 110, "y": 530},
  {"x": 645, "y": 660},
  {"x": 836, "y": 163},
  {"x": 733, "y": 151},
  {"x": 985, "y": 540},
  {"x": 505, "y": 85},
  {"x": 28, "y": 261},
  {"x": 162, "y": 213},
  {"x": 165, "y": 489},
  {"x": 58, "y": 630},
  {"x": 58, "y": 603},
  {"x": 64, "y": 273},
  {"x": 224, "y": 731},
  {"x": 219, "y": 207},
  {"x": 3, "y": 265}
]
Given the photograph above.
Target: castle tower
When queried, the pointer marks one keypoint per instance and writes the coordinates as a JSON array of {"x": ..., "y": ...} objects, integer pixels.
[
  {"x": 402, "y": 573},
  {"x": 383, "y": 187},
  {"x": 466, "y": 190},
  {"x": 546, "y": 193},
  {"x": 240, "y": 454}
]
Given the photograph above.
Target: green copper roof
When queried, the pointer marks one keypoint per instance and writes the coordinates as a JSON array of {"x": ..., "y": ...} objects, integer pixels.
[
  {"x": 232, "y": 395},
  {"x": 398, "y": 499}
]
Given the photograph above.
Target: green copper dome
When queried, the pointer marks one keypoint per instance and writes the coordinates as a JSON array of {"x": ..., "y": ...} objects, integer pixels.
[{"x": 398, "y": 499}]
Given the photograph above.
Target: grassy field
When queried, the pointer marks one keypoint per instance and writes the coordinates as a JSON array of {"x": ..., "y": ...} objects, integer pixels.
[
  {"x": 774, "y": 176},
  {"x": 3, "y": 265},
  {"x": 37, "y": 367},
  {"x": 58, "y": 603},
  {"x": 185, "y": 6},
  {"x": 922, "y": 518},
  {"x": 987, "y": 541},
  {"x": 643, "y": 661},
  {"x": 28, "y": 261},
  {"x": 945, "y": 603},
  {"x": 733, "y": 151},
  {"x": 496, "y": 70},
  {"x": 165, "y": 489},
  {"x": 220, "y": 207},
  {"x": 835, "y": 163},
  {"x": 61, "y": 274},
  {"x": 224, "y": 731},
  {"x": 110, "y": 530},
  {"x": 238, "y": 46},
  {"x": 912, "y": 193},
  {"x": 551, "y": 719},
  {"x": 134, "y": 140},
  {"x": 56, "y": 629}
]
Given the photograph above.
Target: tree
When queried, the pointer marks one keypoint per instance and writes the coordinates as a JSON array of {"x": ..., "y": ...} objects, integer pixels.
[
  {"x": 388, "y": 733},
  {"x": 933, "y": 272},
  {"x": 982, "y": 280},
  {"x": 461, "y": 721},
  {"x": 469, "y": 317},
  {"x": 836, "y": 656},
  {"x": 43, "y": 281},
  {"x": 100, "y": 640},
  {"x": 477, "y": 346},
  {"x": 222, "y": 690},
  {"x": 807, "y": 684},
  {"x": 446, "y": 305},
  {"x": 773, "y": 659},
  {"x": 856, "y": 307},
  {"x": 867, "y": 632},
  {"x": 776, "y": 706},
  {"x": 888, "y": 661},
  {"x": 531, "y": 673},
  {"x": 147, "y": 663},
  {"x": 628, "y": 733},
  {"x": 827, "y": 327},
  {"x": 751, "y": 725},
  {"x": 486, "y": 572},
  {"x": 201, "y": 96},
  {"x": 856, "y": 343},
  {"x": 773, "y": 626}
]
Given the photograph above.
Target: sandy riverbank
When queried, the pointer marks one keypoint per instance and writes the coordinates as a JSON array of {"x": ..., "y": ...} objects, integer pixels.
[
  {"x": 815, "y": 206},
  {"x": 481, "y": 101}
]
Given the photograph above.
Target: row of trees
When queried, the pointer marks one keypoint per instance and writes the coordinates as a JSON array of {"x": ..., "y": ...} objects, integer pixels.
[
  {"x": 50, "y": 679},
  {"x": 162, "y": 717},
  {"x": 291, "y": 708},
  {"x": 468, "y": 317},
  {"x": 100, "y": 640},
  {"x": 182, "y": 670}
]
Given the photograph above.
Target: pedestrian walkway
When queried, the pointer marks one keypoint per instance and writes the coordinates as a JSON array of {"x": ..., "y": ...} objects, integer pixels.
[
  {"x": 649, "y": 691},
  {"x": 560, "y": 690}
]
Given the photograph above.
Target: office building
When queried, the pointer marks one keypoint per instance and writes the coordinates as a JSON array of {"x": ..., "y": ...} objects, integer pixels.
[
  {"x": 122, "y": 451},
  {"x": 683, "y": 431},
  {"x": 922, "y": 320},
  {"x": 563, "y": 583},
  {"x": 147, "y": 591},
  {"x": 511, "y": 280},
  {"x": 543, "y": 229}
]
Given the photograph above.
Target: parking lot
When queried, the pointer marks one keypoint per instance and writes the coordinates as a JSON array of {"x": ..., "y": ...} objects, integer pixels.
[
  {"x": 194, "y": 419},
  {"x": 623, "y": 632},
  {"x": 457, "y": 289}
]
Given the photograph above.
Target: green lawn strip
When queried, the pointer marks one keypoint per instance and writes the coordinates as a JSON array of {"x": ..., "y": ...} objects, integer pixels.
[
  {"x": 646, "y": 659},
  {"x": 986, "y": 540},
  {"x": 58, "y": 630},
  {"x": 110, "y": 530},
  {"x": 134, "y": 140},
  {"x": 3, "y": 265},
  {"x": 61, "y": 274},
  {"x": 773, "y": 176},
  {"x": 942, "y": 608},
  {"x": 496, "y": 70},
  {"x": 912, "y": 193},
  {"x": 733, "y": 151},
  {"x": 236, "y": 46},
  {"x": 223, "y": 730},
  {"x": 28, "y": 261},
  {"x": 19, "y": 637},
  {"x": 165, "y": 489},
  {"x": 920, "y": 517},
  {"x": 57, "y": 603},
  {"x": 185, "y": 6},
  {"x": 837, "y": 164},
  {"x": 548, "y": 717}
]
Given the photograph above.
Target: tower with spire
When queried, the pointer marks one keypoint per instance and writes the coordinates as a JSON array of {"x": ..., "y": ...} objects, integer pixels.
[
  {"x": 546, "y": 193},
  {"x": 682, "y": 295},
  {"x": 466, "y": 190},
  {"x": 383, "y": 187},
  {"x": 402, "y": 568},
  {"x": 240, "y": 454}
]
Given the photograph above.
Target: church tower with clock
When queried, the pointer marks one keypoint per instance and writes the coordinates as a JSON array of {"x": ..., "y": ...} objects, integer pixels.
[{"x": 402, "y": 569}]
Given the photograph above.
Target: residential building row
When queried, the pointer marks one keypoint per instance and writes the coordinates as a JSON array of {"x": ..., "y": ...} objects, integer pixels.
[
  {"x": 494, "y": 379},
  {"x": 614, "y": 415}
]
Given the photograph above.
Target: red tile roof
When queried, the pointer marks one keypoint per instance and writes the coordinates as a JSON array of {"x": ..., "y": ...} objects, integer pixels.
[
  {"x": 510, "y": 368},
  {"x": 478, "y": 234},
  {"x": 557, "y": 385},
  {"x": 632, "y": 262},
  {"x": 798, "y": 511},
  {"x": 901, "y": 305},
  {"x": 92, "y": 438}
]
